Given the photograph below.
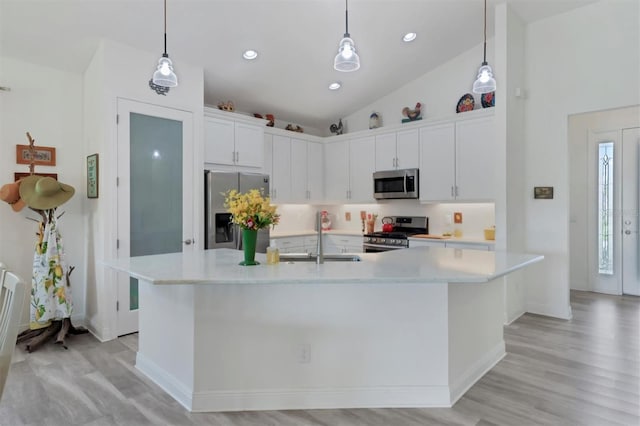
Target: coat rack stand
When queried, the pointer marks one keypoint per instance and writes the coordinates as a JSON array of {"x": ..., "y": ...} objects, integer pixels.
[{"x": 60, "y": 328}]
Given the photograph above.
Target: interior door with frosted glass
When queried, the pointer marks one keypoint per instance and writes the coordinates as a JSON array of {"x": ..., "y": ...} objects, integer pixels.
[{"x": 155, "y": 191}]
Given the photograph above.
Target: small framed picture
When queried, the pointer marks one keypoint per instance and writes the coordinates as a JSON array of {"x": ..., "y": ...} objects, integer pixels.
[
  {"x": 42, "y": 155},
  {"x": 543, "y": 192},
  {"x": 92, "y": 176},
  {"x": 19, "y": 175}
]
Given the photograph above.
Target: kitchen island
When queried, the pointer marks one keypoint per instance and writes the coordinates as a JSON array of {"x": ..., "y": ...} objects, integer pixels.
[{"x": 404, "y": 328}]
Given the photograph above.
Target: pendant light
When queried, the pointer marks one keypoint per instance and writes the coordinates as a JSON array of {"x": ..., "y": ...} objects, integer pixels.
[
  {"x": 347, "y": 59},
  {"x": 485, "y": 83},
  {"x": 164, "y": 75}
]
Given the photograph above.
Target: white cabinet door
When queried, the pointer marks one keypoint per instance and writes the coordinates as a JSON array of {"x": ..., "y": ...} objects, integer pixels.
[
  {"x": 475, "y": 159},
  {"x": 437, "y": 163},
  {"x": 218, "y": 141},
  {"x": 426, "y": 243},
  {"x": 361, "y": 168},
  {"x": 315, "y": 167},
  {"x": 469, "y": 246},
  {"x": 298, "y": 170},
  {"x": 249, "y": 142},
  {"x": 290, "y": 244},
  {"x": 281, "y": 173},
  {"x": 407, "y": 149},
  {"x": 385, "y": 152},
  {"x": 336, "y": 171}
]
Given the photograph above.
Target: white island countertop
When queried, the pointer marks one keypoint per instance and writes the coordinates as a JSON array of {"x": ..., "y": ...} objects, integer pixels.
[{"x": 414, "y": 265}]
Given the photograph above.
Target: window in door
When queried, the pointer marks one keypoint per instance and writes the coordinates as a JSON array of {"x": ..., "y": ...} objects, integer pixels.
[{"x": 605, "y": 207}]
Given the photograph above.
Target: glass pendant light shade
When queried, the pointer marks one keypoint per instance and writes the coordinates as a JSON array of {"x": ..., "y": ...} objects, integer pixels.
[
  {"x": 485, "y": 83},
  {"x": 347, "y": 59},
  {"x": 164, "y": 75}
]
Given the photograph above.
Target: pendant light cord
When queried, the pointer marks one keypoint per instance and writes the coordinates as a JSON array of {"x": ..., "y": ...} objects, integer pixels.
[
  {"x": 346, "y": 18},
  {"x": 165, "y": 28},
  {"x": 484, "y": 62}
]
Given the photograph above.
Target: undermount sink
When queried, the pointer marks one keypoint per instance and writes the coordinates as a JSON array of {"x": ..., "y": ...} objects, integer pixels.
[{"x": 307, "y": 257}]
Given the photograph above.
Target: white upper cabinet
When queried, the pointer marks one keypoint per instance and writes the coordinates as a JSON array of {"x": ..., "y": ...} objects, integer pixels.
[
  {"x": 219, "y": 144},
  {"x": 233, "y": 143},
  {"x": 437, "y": 162},
  {"x": 386, "y": 151},
  {"x": 336, "y": 171},
  {"x": 296, "y": 170},
  {"x": 348, "y": 172},
  {"x": 476, "y": 159},
  {"x": 248, "y": 144},
  {"x": 315, "y": 172},
  {"x": 457, "y": 161},
  {"x": 361, "y": 168},
  {"x": 397, "y": 150},
  {"x": 281, "y": 170},
  {"x": 407, "y": 149}
]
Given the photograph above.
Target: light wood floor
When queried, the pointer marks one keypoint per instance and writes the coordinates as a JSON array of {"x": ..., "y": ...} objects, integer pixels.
[{"x": 580, "y": 372}]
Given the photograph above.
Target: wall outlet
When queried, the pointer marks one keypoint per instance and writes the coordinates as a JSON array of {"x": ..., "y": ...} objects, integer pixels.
[
  {"x": 304, "y": 353},
  {"x": 447, "y": 218}
]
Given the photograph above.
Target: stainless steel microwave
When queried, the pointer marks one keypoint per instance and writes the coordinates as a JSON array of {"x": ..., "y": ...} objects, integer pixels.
[{"x": 390, "y": 184}]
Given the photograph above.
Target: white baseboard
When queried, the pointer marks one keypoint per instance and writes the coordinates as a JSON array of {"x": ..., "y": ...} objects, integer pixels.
[
  {"x": 509, "y": 321},
  {"x": 305, "y": 399},
  {"x": 475, "y": 372},
  {"x": 546, "y": 310},
  {"x": 168, "y": 383}
]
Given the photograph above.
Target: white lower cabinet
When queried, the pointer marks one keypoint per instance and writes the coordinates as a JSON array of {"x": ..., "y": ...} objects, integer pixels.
[
  {"x": 451, "y": 244},
  {"x": 290, "y": 244},
  {"x": 342, "y": 244}
]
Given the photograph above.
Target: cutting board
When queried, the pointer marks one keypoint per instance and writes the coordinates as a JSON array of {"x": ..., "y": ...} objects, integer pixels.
[{"x": 431, "y": 236}]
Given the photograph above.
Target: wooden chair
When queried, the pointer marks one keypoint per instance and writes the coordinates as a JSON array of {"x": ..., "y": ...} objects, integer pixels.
[{"x": 11, "y": 304}]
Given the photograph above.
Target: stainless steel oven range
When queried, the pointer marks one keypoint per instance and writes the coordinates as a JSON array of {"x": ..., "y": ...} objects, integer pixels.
[{"x": 397, "y": 238}]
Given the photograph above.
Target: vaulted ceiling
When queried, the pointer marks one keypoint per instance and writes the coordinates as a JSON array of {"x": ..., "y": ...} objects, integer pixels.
[{"x": 296, "y": 41}]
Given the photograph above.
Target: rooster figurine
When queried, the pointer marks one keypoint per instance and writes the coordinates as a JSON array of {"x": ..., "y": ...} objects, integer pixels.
[
  {"x": 412, "y": 114},
  {"x": 337, "y": 128}
]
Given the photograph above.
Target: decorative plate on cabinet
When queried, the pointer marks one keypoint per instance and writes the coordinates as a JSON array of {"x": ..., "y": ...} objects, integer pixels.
[
  {"x": 488, "y": 99},
  {"x": 466, "y": 103}
]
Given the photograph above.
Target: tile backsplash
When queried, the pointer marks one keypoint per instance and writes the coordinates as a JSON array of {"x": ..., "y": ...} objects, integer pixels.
[{"x": 475, "y": 216}]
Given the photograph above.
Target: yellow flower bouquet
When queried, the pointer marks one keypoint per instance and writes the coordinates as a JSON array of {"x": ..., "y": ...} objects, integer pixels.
[{"x": 250, "y": 210}]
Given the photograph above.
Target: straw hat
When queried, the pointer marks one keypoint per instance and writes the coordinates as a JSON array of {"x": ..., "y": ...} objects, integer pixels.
[
  {"x": 43, "y": 193},
  {"x": 10, "y": 193}
]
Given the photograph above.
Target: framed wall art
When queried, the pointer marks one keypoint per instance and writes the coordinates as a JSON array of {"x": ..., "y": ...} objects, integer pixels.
[
  {"x": 20, "y": 175},
  {"x": 42, "y": 155},
  {"x": 543, "y": 192},
  {"x": 92, "y": 176}
]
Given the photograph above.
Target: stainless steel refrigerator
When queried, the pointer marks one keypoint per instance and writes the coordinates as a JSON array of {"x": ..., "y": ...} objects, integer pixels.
[{"x": 219, "y": 231}]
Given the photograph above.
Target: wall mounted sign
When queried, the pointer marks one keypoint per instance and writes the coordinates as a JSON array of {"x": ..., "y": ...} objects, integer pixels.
[
  {"x": 92, "y": 176},
  {"x": 543, "y": 192},
  {"x": 42, "y": 155}
]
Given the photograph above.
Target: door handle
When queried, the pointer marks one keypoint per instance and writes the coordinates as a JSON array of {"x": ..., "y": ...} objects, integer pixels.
[{"x": 188, "y": 242}]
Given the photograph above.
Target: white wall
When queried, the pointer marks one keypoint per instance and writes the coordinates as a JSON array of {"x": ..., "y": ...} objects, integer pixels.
[
  {"x": 584, "y": 60},
  {"x": 119, "y": 71},
  {"x": 438, "y": 91},
  {"x": 47, "y": 103}
]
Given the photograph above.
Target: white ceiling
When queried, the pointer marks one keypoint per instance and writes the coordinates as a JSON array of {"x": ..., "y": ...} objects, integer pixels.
[{"x": 296, "y": 40}]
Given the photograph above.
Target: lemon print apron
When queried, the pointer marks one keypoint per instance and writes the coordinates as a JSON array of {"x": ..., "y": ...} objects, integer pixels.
[{"x": 50, "y": 292}]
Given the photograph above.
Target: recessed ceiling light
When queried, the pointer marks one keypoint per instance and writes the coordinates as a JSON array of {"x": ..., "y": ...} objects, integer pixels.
[
  {"x": 250, "y": 54},
  {"x": 335, "y": 85},
  {"x": 409, "y": 37}
]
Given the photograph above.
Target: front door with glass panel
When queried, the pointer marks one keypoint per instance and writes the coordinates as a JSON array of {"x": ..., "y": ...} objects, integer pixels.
[
  {"x": 614, "y": 198},
  {"x": 155, "y": 191}
]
